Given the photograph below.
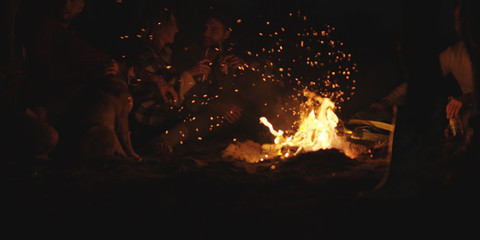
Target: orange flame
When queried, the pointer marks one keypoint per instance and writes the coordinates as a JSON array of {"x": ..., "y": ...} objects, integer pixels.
[{"x": 316, "y": 129}]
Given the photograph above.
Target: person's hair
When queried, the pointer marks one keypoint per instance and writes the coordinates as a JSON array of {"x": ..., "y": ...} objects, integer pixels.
[
  {"x": 154, "y": 22},
  {"x": 222, "y": 13}
]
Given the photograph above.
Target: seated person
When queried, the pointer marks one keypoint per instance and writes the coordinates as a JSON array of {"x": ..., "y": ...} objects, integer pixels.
[
  {"x": 61, "y": 66},
  {"x": 26, "y": 131},
  {"x": 152, "y": 81},
  {"x": 202, "y": 81}
]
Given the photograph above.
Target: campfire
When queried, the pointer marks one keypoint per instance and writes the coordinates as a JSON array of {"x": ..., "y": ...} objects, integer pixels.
[
  {"x": 317, "y": 130},
  {"x": 321, "y": 72}
]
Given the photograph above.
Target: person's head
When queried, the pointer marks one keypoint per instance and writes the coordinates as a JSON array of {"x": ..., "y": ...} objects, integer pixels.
[
  {"x": 159, "y": 28},
  {"x": 67, "y": 10},
  {"x": 216, "y": 28}
]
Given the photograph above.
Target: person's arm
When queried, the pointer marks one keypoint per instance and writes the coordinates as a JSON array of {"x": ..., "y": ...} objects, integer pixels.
[
  {"x": 460, "y": 68},
  {"x": 42, "y": 48},
  {"x": 39, "y": 56},
  {"x": 233, "y": 61},
  {"x": 398, "y": 94},
  {"x": 149, "y": 68},
  {"x": 89, "y": 57},
  {"x": 229, "y": 111},
  {"x": 456, "y": 103},
  {"x": 394, "y": 97}
]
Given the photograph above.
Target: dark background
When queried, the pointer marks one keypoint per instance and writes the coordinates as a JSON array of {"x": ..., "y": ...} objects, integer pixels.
[
  {"x": 370, "y": 30},
  {"x": 199, "y": 193}
]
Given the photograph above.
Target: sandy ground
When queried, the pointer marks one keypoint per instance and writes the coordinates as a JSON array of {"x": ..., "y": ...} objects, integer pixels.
[{"x": 197, "y": 193}]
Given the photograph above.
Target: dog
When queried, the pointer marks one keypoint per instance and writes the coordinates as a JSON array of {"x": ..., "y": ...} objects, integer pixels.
[{"x": 99, "y": 119}]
